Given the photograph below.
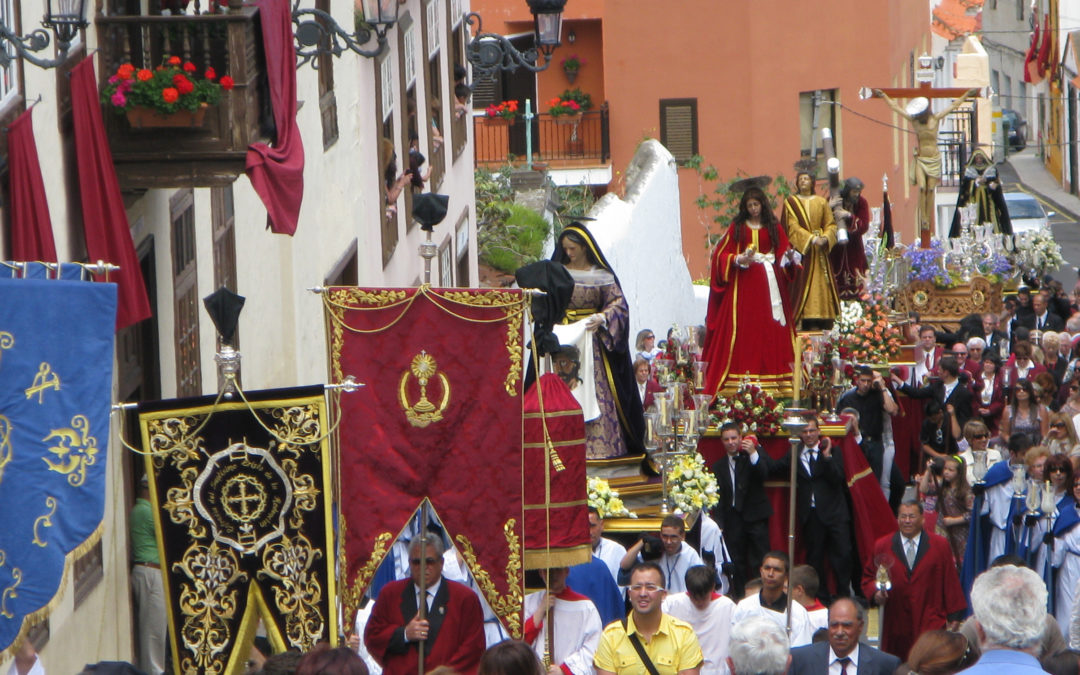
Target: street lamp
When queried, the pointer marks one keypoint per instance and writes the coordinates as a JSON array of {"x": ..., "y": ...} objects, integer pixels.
[
  {"x": 323, "y": 35},
  {"x": 64, "y": 17},
  {"x": 489, "y": 52}
]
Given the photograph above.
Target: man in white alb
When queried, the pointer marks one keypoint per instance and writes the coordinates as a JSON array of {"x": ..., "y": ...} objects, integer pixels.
[{"x": 576, "y": 622}]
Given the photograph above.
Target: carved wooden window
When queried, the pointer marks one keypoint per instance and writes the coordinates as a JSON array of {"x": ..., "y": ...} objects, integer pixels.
[
  {"x": 816, "y": 112},
  {"x": 446, "y": 265},
  {"x": 432, "y": 12},
  {"x": 185, "y": 295},
  {"x": 679, "y": 127},
  {"x": 461, "y": 235},
  {"x": 384, "y": 95},
  {"x": 327, "y": 98},
  {"x": 222, "y": 214},
  {"x": 459, "y": 129}
]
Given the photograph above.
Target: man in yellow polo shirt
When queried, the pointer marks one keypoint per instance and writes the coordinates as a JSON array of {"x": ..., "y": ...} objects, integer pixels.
[{"x": 669, "y": 644}]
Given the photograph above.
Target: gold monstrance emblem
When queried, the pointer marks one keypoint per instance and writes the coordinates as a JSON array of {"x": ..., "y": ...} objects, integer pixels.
[{"x": 423, "y": 412}]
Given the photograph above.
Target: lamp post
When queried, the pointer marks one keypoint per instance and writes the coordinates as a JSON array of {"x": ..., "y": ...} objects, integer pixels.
[
  {"x": 488, "y": 53},
  {"x": 321, "y": 34},
  {"x": 64, "y": 17}
]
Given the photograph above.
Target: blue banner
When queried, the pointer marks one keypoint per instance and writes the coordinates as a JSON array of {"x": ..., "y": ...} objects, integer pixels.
[{"x": 56, "y": 356}]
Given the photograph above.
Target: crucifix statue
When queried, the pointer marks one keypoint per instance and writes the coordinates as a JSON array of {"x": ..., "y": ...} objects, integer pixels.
[{"x": 926, "y": 167}]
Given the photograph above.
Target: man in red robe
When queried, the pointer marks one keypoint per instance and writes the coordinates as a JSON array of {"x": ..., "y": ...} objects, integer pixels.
[
  {"x": 925, "y": 593},
  {"x": 452, "y": 633}
]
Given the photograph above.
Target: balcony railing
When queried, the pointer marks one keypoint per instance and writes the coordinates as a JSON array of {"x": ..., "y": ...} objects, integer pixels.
[
  {"x": 581, "y": 141},
  {"x": 211, "y": 155}
]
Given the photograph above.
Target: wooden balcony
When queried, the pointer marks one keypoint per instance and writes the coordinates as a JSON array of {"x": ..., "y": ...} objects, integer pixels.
[{"x": 207, "y": 156}]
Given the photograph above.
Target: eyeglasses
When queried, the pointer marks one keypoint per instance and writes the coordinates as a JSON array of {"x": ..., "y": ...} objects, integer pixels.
[
  {"x": 1057, "y": 469},
  {"x": 429, "y": 561},
  {"x": 979, "y": 437},
  {"x": 648, "y": 588},
  {"x": 1057, "y": 425}
]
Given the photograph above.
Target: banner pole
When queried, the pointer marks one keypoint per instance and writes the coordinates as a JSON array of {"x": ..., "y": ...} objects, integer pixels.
[{"x": 422, "y": 605}]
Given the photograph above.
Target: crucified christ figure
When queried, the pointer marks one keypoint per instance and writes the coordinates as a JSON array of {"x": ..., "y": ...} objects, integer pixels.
[{"x": 926, "y": 169}]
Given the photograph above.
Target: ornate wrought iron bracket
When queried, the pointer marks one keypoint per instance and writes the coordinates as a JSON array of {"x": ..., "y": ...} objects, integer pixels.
[
  {"x": 22, "y": 46},
  {"x": 319, "y": 33},
  {"x": 489, "y": 53}
]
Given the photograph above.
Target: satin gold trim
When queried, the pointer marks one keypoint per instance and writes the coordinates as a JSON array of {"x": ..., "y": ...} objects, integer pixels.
[
  {"x": 862, "y": 474},
  {"x": 554, "y": 444},
  {"x": 560, "y": 413},
  {"x": 554, "y": 505}
]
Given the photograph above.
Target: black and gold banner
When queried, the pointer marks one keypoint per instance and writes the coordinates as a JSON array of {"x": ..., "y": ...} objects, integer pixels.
[{"x": 241, "y": 497}]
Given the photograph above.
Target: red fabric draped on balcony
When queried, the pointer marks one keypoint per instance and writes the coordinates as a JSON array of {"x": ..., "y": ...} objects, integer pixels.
[
  {"x": 31, "y": 227},
  {"x": 108, "y": 234},
  {"x": 277, "y": 173}
]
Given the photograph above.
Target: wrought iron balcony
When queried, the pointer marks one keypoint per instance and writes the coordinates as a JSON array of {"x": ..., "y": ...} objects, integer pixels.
[
  {"x": 559, "y": 141},
  {"x": 209, "y": 155}
]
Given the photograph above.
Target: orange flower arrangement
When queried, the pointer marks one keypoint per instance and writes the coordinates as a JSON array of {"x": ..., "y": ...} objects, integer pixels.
[
  {"x": 507, "y": 110},
  {"x": 872, "y": 340},
  {"x": 170, "y": 87}
]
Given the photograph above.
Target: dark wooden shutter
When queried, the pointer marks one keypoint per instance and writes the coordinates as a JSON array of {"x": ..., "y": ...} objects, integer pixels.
[{"x": 679, "y": 127}]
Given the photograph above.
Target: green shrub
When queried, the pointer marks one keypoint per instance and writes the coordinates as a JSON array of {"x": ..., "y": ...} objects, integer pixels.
[{"x": 518, "y": 241}]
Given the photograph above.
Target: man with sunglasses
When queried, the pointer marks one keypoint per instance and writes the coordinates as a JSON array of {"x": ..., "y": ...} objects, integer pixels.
[{"x": 452, "y": 631}]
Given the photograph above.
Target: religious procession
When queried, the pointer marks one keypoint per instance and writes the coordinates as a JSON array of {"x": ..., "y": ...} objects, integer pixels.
[{"x": 847, "y": 456}]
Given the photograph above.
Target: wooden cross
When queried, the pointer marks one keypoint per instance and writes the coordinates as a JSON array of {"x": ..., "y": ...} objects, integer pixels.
[{"x": 926, "y": 131}]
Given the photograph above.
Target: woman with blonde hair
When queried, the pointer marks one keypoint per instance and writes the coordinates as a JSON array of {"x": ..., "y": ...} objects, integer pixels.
[
  {"x": 1024, "y": 414},
  {"x": 1061, "y": 438}
]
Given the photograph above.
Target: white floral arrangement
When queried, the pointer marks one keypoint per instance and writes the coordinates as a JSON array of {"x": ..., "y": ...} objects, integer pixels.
[
  {"x": 851, "y": 312},
  {"x": 691, "y": 486},
  {"x": 1038, "y": 252},
  {"x": 606, "y": 500}
]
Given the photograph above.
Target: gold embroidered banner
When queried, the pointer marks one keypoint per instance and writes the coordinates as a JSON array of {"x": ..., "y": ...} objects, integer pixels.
[
  {"x": 438, "y": 418},
  {"x": 241, "y": 498}
]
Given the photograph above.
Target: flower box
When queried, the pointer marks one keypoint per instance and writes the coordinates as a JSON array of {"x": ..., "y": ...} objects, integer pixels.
[
  {"x": 497, "y": 121},
  {"x": 140, "y": 117}
]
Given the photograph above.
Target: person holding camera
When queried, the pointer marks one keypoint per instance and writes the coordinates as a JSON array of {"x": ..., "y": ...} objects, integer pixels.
[
  {"x": 945, "y": 490},
  {"x": 670, "y": 552},
  {"x": 744, "y": 509}
]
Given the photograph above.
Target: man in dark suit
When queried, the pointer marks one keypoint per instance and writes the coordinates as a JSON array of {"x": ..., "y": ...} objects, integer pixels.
[
  {"x": 953, "y": 395},
  {"x": 843, "y": 654},
  {"x": 996, "y": 340},
  {"x": 1042, "y": 319},
  {"x": 743, "y": 510},
  {"x": 821, "y": 506},
  {"x": 452, "y": 633}
]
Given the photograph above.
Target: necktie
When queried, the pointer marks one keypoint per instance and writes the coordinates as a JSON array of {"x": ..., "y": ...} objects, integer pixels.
[
  {"x": 929, "y": 361},
  {"x": 844, "y": 662},
  {"x": 910, "y": 552}
]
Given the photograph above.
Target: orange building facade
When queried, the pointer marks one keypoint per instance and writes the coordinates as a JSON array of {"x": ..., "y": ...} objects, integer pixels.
[{"x": 735, "y": 82}]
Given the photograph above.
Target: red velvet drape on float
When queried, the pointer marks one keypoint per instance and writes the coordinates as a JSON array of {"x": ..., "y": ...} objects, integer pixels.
[
  {"x": 277, "y": 173},
  {"x": 108, "y": 234},
  {"x": 870, "y": 510},
  {"x": 31, "y": 227},
  {"x": 438, "y": 419},
  {"x": 556, "y": 508}
]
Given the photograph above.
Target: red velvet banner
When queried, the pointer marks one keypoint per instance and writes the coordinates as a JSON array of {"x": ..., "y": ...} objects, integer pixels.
[
  {"x": 556, "y": 508},
  {"x": 31, "y": 227},
  {"x": 438, "y": 419}
]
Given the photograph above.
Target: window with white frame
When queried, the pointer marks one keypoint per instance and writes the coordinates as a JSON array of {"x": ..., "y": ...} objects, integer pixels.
[
  {"x": 409, "y": 42},
  {"x": 9, "y": 81},
  {"x": 387, "y": 76},
  {"x": 455, "y": 13},
  {"x": 432, "y": 28}
]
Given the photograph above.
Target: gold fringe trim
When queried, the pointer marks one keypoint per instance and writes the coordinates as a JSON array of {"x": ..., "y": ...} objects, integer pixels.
[
  {"x": 35, "y": 617},
  {"x": 555, "y": 444},
  {"x": 541, "y": 559},
  {"x": 542, "y": 415}
]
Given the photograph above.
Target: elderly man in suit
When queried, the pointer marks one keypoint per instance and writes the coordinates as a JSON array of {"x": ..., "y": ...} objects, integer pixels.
[
  {"x": 452, "y": 633},
  {"x": 744, "y": 509},
  {"x": 843, "y": 654}
]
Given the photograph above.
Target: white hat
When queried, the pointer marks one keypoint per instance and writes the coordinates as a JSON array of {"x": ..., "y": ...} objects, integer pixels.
[{"x": 917, "y": 106}]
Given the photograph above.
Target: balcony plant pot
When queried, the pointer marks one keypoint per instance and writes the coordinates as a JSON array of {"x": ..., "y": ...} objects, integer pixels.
[
  {"x": 572, "y": 118},
  {"x": 497, "y": 121},
  {"x": 140, "y": 117},
  {"x": 571, "y": 75},
  {"x": 575, "y": 147}
]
